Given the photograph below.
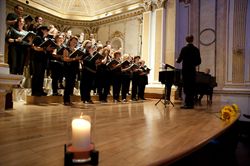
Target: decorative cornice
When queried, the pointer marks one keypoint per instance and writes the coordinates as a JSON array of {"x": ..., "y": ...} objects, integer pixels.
[
  {"x": 118, "y": 17},
  {"x": 66, "y": 24}
]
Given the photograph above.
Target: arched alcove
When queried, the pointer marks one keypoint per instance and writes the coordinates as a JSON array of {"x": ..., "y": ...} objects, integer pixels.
[{"x": 117, "y": 43}]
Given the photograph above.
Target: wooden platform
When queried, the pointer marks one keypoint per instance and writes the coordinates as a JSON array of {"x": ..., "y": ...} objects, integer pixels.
[{"x": 126, "y": 134}]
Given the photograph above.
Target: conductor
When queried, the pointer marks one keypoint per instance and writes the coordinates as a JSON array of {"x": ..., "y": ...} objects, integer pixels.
[{"x": 190, "y": 58}]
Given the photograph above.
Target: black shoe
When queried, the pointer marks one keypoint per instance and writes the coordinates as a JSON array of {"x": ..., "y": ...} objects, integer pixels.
[
  {"x": 67, "y": 104},
  {"x": 124, "y": 100},
  {"x": 39, "y": 94},
  {"x": 134, "y": 99},
  {"x": 187, "y": 107},
  {"x": 116, "y": 101},
  {"x": 36, "y": 94},
  {"x": 103, "y": 101},
  {"x": 56, "y": 94},
  {"x": 88, "y": 102},
  {"x": 43, "y": 94}
]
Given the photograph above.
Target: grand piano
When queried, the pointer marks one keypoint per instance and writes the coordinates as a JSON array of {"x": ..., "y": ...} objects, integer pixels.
[{"x": 170, "y": 76}]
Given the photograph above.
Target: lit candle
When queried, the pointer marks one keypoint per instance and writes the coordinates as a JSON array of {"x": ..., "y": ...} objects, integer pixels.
[{"x": 81, "y": 134}]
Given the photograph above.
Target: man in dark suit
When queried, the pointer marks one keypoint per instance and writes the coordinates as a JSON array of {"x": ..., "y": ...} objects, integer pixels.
[{"x": 190, "y": 58}]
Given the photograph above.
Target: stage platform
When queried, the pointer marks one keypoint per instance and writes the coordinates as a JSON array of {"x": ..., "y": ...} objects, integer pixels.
[{"x": 125, "y": 134}]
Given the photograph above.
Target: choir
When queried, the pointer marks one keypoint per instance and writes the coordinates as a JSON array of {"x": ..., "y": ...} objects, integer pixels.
[{"x": 97, "y": 67}]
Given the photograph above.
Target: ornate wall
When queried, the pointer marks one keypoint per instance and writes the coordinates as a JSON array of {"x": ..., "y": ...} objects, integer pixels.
[
  {"x": 221, "y": 30},
  {"x": 127, "y": 31}
]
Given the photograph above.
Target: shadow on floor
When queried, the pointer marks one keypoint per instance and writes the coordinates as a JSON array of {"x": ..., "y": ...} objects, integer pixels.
[{"x": 231, "y": 149}]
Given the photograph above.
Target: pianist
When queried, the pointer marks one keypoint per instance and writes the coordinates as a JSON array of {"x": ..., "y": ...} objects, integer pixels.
[{"x": 190, "y": 58}]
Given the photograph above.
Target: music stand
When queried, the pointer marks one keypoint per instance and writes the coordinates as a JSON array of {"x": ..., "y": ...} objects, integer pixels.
[
  {"x": 166, "y": 77},
  {"x": 166, "y": 96}
]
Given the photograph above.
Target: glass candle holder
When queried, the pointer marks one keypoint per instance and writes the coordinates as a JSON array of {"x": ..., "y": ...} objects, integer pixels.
[{"x": 79, "y": 144}]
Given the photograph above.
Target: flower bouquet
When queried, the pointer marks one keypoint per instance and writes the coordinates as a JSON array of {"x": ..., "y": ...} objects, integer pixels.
[{"x": 229, "y": 111}]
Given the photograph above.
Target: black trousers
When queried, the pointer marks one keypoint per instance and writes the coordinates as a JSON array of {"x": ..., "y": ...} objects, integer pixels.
[
  {"x": 86, "y": 84},
  {"x": 125, "y": 85},
  {"x": 56, "y": 74},
  {"x": 38, "y": 67},
  {"x": 16, "y": 58},
  {"x": 103, "y": 87},
  {"x": 135, "y": 84},
  {"x": 70, "y": 77},
  {"x": 189, "y": 86},
  {"x": 116, "y": 83}
]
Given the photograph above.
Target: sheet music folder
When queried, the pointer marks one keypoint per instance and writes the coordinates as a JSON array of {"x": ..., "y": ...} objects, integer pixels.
[
  {"x": 125, "y": 63},
  {"x": 60, "y": 51},
  {"x": 147, "y": 70},
  {"x": 95, "y": 57},
  {"x": 113, "y": 63},
  {"x": 47, "y": 43},
  {"x": 30, "y": 35},
  {"x": 76, "y": 53},
  {"x": 134, "y": 66}
]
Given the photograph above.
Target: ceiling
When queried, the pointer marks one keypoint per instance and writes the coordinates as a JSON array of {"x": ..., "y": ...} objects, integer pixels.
[{"x": 84, "y": 9}]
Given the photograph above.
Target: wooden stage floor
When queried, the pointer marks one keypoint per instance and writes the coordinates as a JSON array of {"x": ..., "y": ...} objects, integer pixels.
[{"x": 125, "y": 134}]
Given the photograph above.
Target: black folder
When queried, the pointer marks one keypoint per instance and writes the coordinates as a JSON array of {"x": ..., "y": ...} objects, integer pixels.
[
  {"x": 95, "y": 57},
  {"x": 148, "y": 70},
  {"x": 134, "y": 66},
  {"x": 60, "y": 51},
  {"x": 125, "y": 63},
  {"x": 112, "y": 63},
  {"x": 76, "y": 53},
  {"x": 48, "y": 42},
  {"x": 29, "y": 36}
]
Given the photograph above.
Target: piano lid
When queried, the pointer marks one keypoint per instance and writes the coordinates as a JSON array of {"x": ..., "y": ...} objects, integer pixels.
[{"x": 169, "y": 66}]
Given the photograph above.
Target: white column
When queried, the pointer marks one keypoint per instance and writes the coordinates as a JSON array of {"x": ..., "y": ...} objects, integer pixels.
[
  {"x": 171, "y": 31},
  {"x": 146, "y": 31}
]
